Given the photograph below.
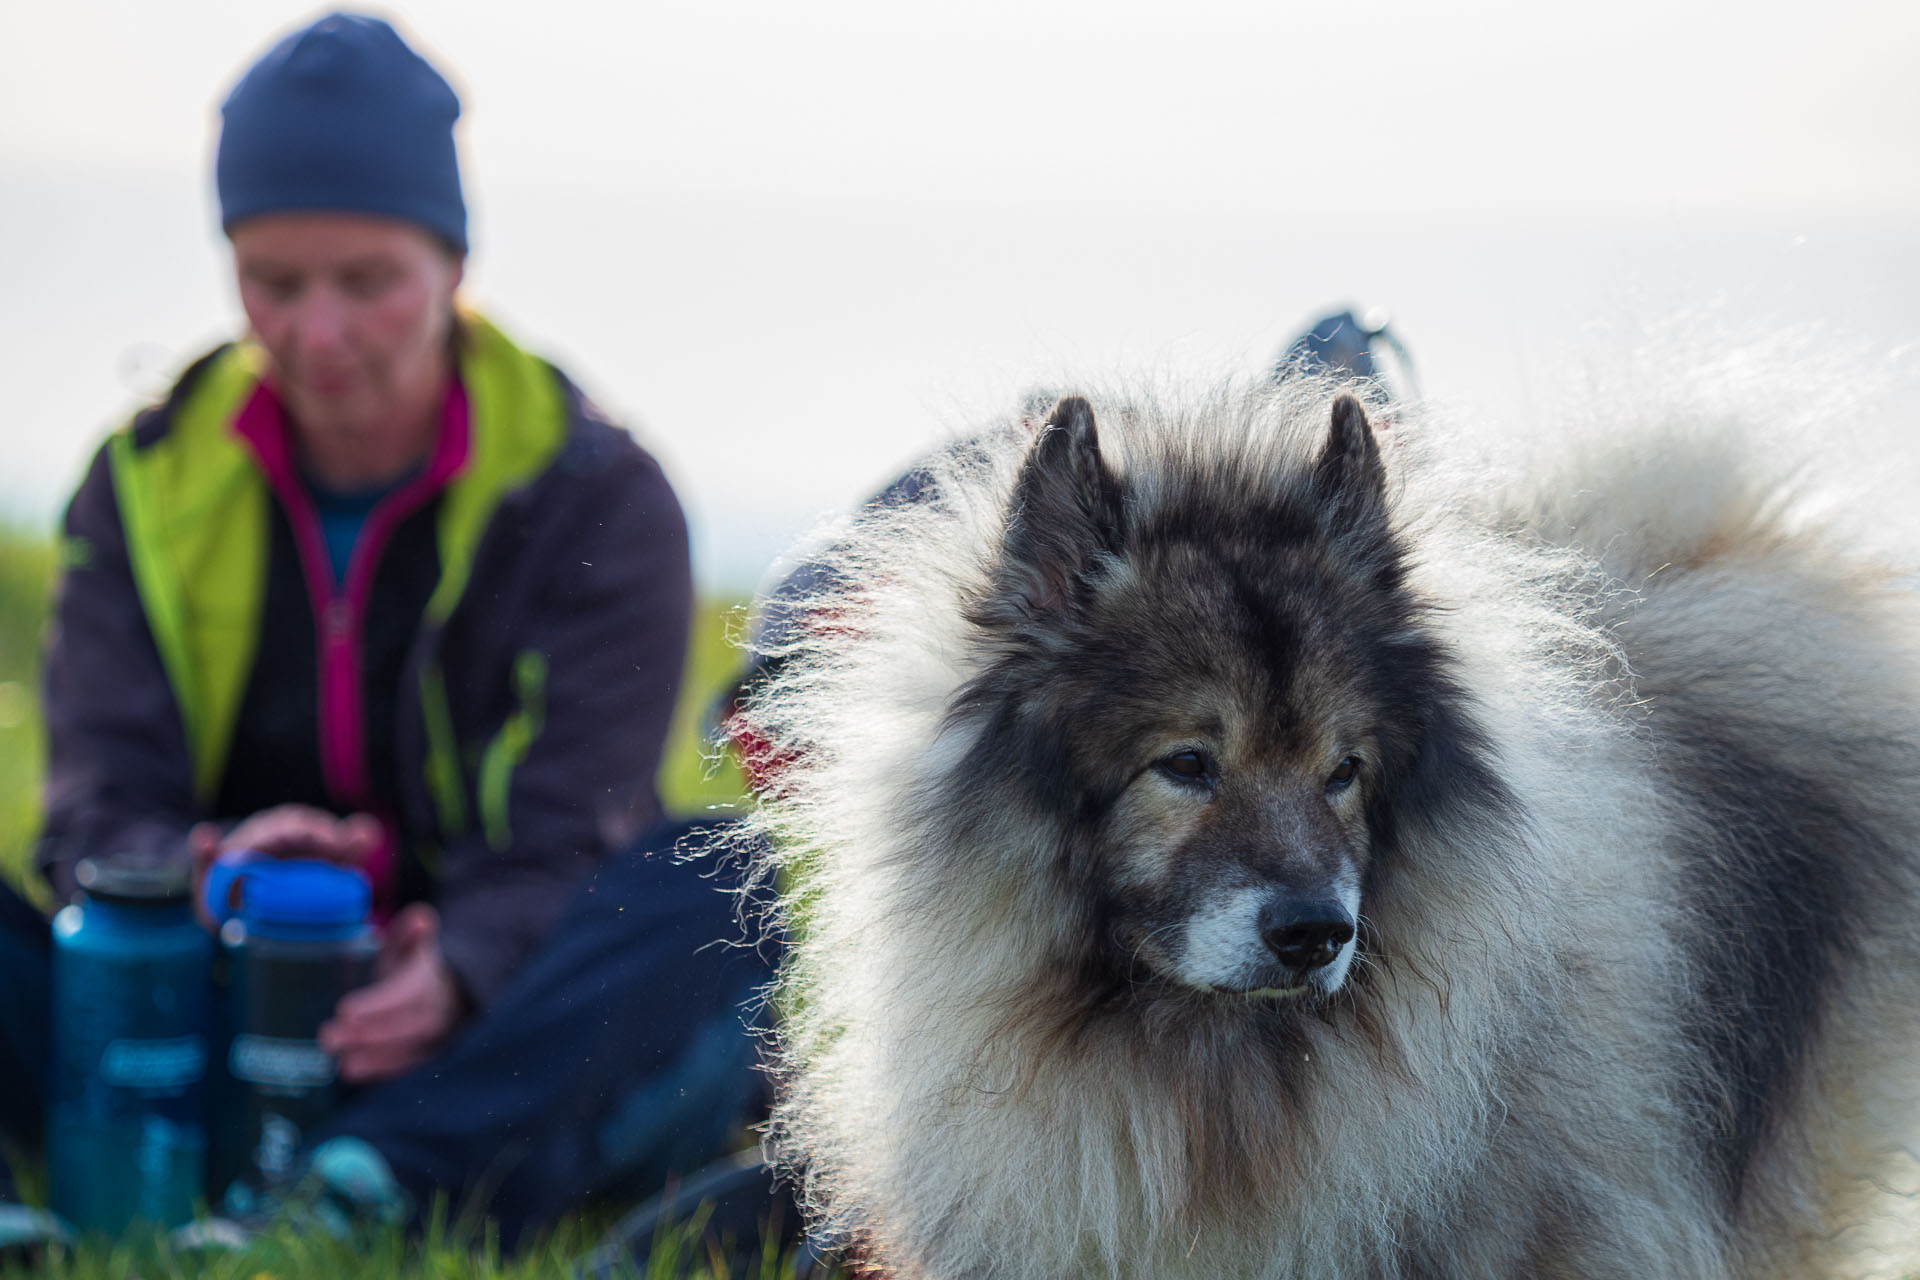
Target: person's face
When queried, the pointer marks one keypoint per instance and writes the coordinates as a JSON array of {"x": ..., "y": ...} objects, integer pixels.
[{"x": 354, "y": 312}]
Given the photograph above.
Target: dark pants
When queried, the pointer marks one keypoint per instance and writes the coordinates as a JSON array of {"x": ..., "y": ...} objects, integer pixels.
[
  {"x": 619, "y": 1056},
  {"x": 26, "y": 973}
]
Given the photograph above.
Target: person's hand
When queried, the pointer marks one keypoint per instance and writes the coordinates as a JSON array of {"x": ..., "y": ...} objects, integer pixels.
[
  {"x": 396, "y": 1023},
  {"x": 293, "y": 831},
  {"x": 286, "y": 831}
]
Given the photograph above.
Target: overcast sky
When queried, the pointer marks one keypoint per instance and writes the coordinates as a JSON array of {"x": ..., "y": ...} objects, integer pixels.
[{"x": 796, "y": 243}]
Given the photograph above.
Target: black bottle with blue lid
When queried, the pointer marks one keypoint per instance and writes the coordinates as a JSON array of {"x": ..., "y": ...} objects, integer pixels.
[{"x": 297, "y": 938}]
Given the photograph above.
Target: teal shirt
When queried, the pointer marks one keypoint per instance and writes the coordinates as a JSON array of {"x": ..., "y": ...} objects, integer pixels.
[{"x": 342, "y": 516}]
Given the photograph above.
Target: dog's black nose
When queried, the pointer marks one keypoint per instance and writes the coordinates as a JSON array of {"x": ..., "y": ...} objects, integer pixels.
[{"x": 1303, "y": 935}]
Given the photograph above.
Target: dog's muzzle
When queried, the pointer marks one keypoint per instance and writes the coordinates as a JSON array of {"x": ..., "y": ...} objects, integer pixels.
[{"x": 1269, "y": 941}]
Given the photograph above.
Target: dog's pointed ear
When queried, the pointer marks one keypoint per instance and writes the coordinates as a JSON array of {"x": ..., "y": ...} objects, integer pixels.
[
  {"x": 1348, "y": 479},
  {"x": 1066, "y": 510}
]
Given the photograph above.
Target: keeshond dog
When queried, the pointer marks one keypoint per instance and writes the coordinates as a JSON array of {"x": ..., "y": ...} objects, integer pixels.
[{"x": 1217, "y": 839}]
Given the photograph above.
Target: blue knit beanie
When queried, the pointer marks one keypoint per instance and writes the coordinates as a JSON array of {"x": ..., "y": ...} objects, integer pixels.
[{"x": 342, "y": 117}]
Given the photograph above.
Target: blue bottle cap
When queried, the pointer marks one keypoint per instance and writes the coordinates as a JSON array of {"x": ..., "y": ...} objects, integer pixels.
[{"x": 302, "y": 899}]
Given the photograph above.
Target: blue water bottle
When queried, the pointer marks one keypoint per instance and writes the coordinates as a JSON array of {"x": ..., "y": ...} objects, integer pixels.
[
  {"x": 126, "y": 1122},
  {"x": 297, "y": 936}
]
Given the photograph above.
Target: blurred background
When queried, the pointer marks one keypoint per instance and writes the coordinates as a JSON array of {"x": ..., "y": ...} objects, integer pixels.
[{"x": 795, "y": 244}]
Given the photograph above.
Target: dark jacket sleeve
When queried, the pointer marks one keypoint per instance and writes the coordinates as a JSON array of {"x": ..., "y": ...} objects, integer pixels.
[
  {"x": 119, "y": 778},
  {"x": 609, "y": 622}
]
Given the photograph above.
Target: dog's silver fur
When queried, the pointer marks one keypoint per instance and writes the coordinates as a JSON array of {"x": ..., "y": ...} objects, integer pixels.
[{"x": 1505, "y": 1075}]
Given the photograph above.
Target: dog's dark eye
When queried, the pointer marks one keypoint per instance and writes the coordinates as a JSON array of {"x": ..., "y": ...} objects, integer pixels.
[
  {"x": 1342, "y": 776},
  {"x": 1188, "y": 766}
]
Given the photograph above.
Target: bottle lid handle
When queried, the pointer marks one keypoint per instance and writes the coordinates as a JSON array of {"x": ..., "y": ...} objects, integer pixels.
[{"x": 220, "y": 892}]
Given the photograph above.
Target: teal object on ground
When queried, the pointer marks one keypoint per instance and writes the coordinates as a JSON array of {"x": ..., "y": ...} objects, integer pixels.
[{"x": 126, "y": 1118}]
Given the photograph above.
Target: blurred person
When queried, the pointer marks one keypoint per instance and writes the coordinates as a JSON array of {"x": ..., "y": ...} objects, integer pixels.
[
  {"x": 1360, "y": 346},
  {"x": 374, "y": 585}
]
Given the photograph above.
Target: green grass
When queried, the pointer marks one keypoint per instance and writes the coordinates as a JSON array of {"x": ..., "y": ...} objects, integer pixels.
[
  {"x": 26, "y": 583},
  {"x": 437, "y": 1253},
  {"x": 690, "y": 780},
  {"x": 692, "y": 777}
]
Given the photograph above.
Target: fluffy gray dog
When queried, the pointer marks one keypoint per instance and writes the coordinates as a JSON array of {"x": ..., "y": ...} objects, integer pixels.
[{"x": 1217, "y": 845}]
